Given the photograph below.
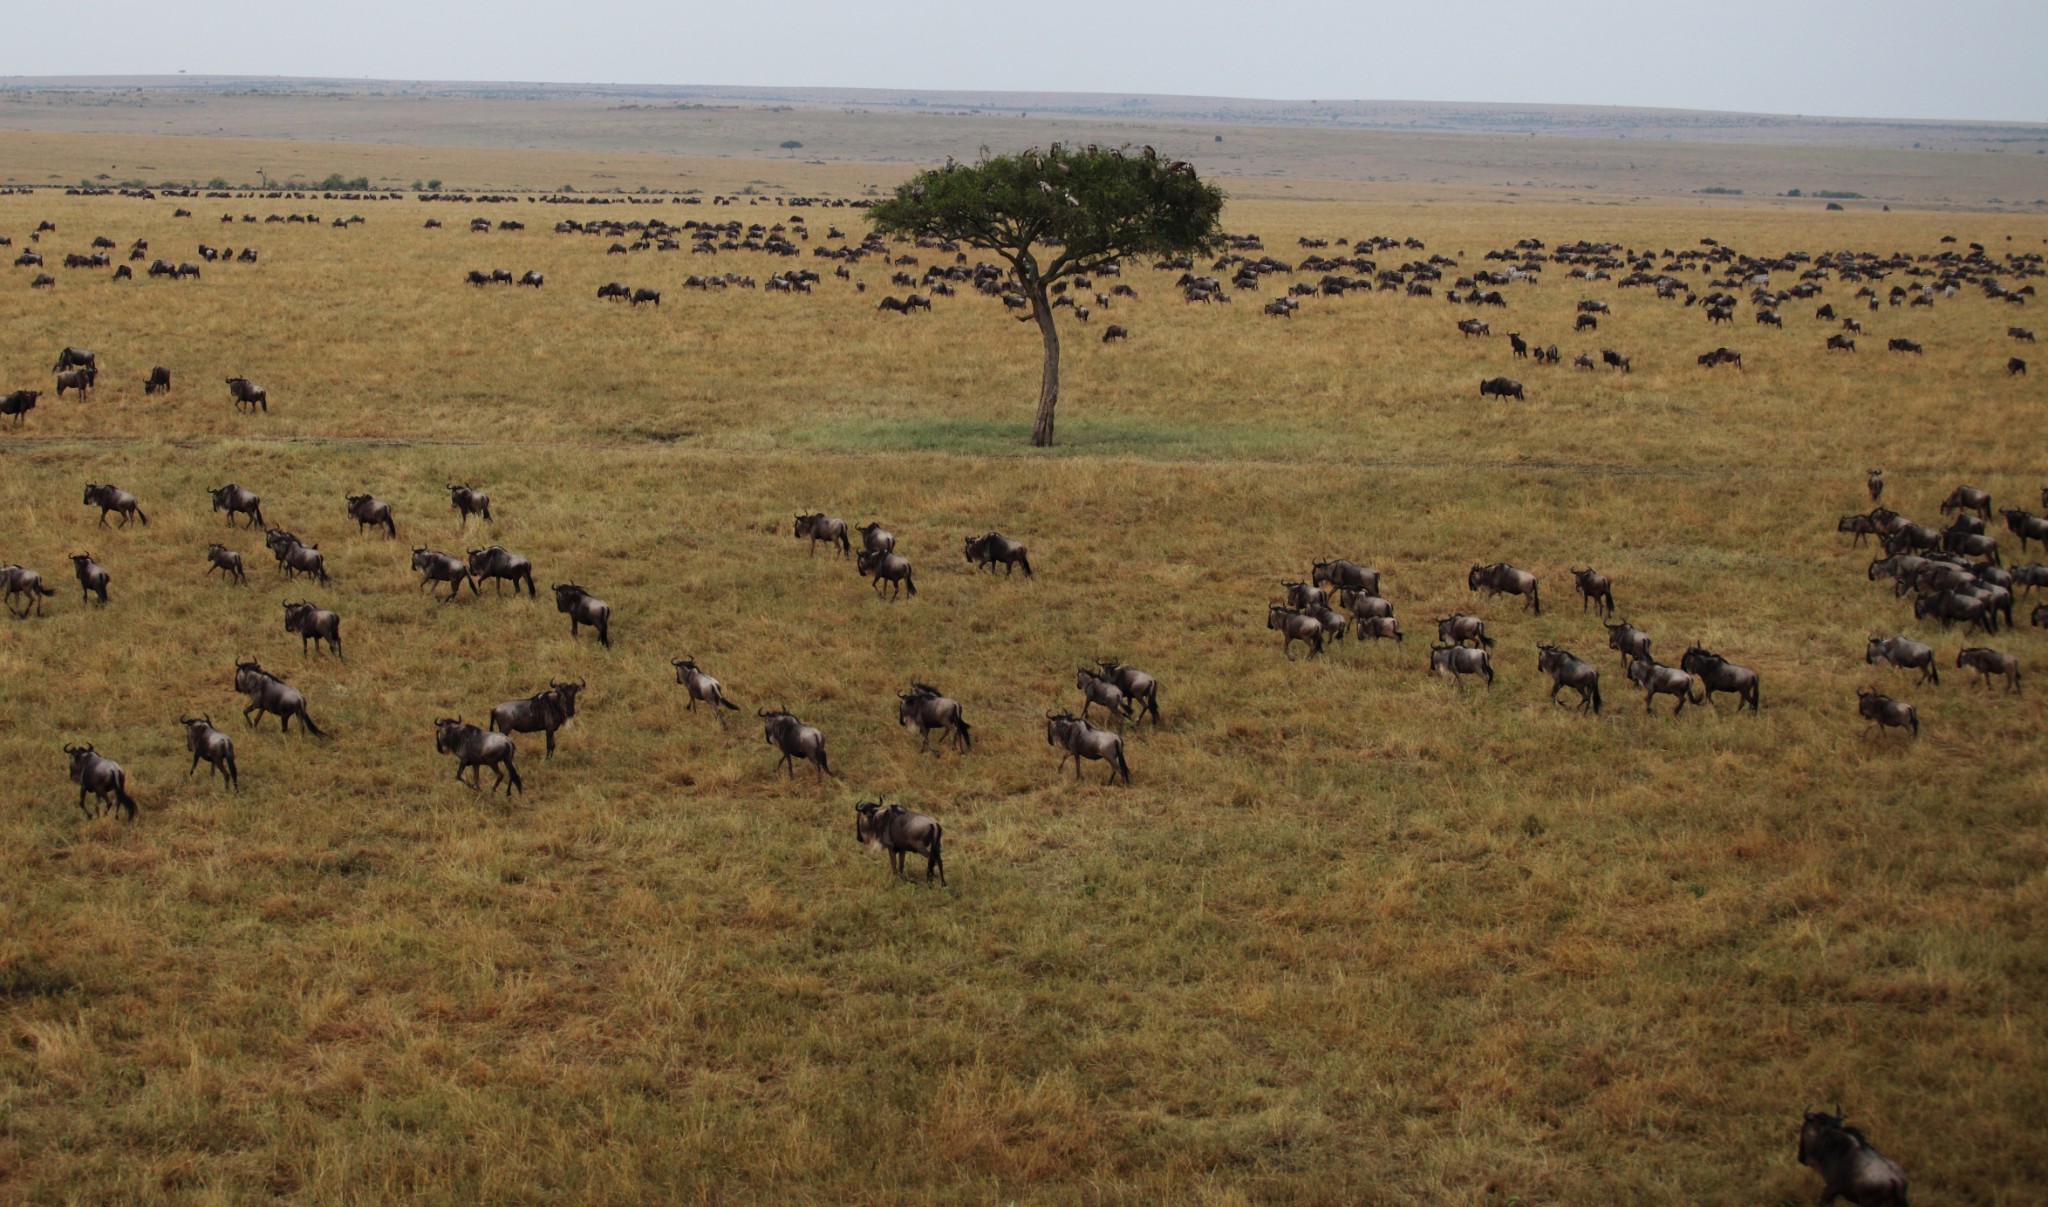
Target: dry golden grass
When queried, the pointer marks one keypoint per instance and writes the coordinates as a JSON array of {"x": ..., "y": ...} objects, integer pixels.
[{"x": 1351, "y": 937}]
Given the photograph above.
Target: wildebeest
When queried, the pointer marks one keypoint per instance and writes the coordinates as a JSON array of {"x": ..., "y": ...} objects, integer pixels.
[
  {"x": 1567, "y": 669},
  {"x": 474, "y": 749},
  {"x": 1501, "y": 387},
  {"x": 1968, "y": 498},
  {"x": 614, "y": 291},
  {"x": 1138, "y": 687},
  {"x": 1363, "y": 604},
  {"x": 584, "y": 608},
  {"x": 876, "y": 539},
  {"x": 2015, "y": 367},
  {"x": 43, "y": 280},
  {"x": 1905, "y": 653},
  {"x": 1874, "y": 480},
  {"x": 1080, "y": 740},
  {"x": 1849, "y": 1167},
  {"x": 269, "y": 693},
  {"x": 1584, "y": 360},
  {"x": 1988, "y": 662},
  {"x": 2020, "y": 333},
  {"x": 1305, "y": 595},
  {"x": 159, "y": 380},
  {"x": 227, "y": 561},
  {"x": 19, "y": 580},
  {"x": 701, "y": 687},
  {"x": 1631, "y": 642},
  {"x": 795, "y": 740},
  {"x": 1499, "y": 578},
  {"x": 925, "y": 707},
  {"x": 1293, "y": 626},
  {"x": 1861, "y": 525},
  {"x": 890, "y": 568},
  {"x": 1472, "y": 327},
  {"x": 99, "y": 776},
  {"x": 19, "y": 403},
  {"x": 368, "y": 511},
  {"x": 1610, "y": 357},
  {"x": 530, "y": 277},
  {"x": 1596, "y": 588},
  {"x": 1949, "y": 606},
  {"x": 206, "y": 742},
  {"x": 1460, "y": 628},
  {"x": 1457, "y": 661},
  {"x": 74, "y": 358},
  {"x": 1342, "y": 574},
  {"x": 498, "y": 564},
  {"x": 79, "y": 381},
  {"x": 234, "y": 500},
  {"x": 1903, "y": 345},
  {"x": 113, "y": 499},
  {"x": 820, "y": 527},
  {"x": 248, "y": 394},
  {"x": 1657, "y": 679},
  {"x": 543, "y": 712},
  {"x": 1520, "y": 345},
  {"x": 1721, "y": 356},
  {"x": 1115, "y": 331},
  {"x": 92, "y": 577},
  {"x": 898, "y": 832},
  {"x": 645, "y": 295},
  {"x": 436, "y": 567},
  {"x": 1958, "y": 538},
  {"x": 313, "y": 625},
  {"x": 468, "y": 501},
  {"x": 989, "y": 549},
  {"x": 1884, "y": 713},
  {"x": 1841, "y": 343},
  {"x": 295, "y": 556},
  {"x": 1716, "y": 674},
  {"x": 1585, "y": 322}
]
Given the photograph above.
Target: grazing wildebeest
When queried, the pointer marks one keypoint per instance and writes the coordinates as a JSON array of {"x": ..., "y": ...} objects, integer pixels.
[
  {"x": 1080, "y": 740},
  {"x": 269, "y": 693},
  {"x": 613, "y": 291},
  {"x": 248, "y": 394},
  {"x": 159, "y": 380},
  {"x": 530, "y": 277},
  {"x": 1567, "y": 669},
  {"x": 1597, "y": 589},
  {"x": 584, "y": 609},
  {"x": 43, "y": 280},
  {"x": 437, "y": 567},
  {"x": 113, "y": 498},
  {"x": 1968, "y": 498},
  {"x": 1457, "y": 661},
  {"x": 313, "y": 625},
  {"x": 876, "y": 539},
  {"x": 1501, "y": 387},
  {"x": 19, "y": 403},
  {"x": 1460, "y": 628},
  {"x": 820, "y": 527},
  {"x": 1905, "y": 653},
  {"x": 1950, "y": 606},
  {"x": 1717, "y": 674},
  {"x": 1721, "y": 356},
  {"x": 80, "y": 381},
  {"x": 474, "y": 749},
  {"x": 1988, "y": 662},
  {"x": 234, "y": 500},
  {"x": 1472, "y": 327},
  {"x": 1769, "y": 318},
  {"x": 92, "y": 577},
  {"x": 1610, "y": 357},
  {"x": 1903, "y": 345},
  {"x": 19, "y": 580},
  {"x": 1295, "y": 626},
  {"x": 984, "y": 552},
  {"x": 924, "y": 706},
  {"x": 498, "y": 564},
  {"x": 295, "y": 556},
  {"x": 1584, "y": 360},
  {"x": 701, "y": 687},
  {"x": 2039, "y": 619},
  {"x": 1841, "y": 343},
  {"x": 206, "y": 742},
  {"x": 645, "y": 295},
  {"x": 368, "y": 511},
  {"x": 1137, "y": 686},
  {"x": 1849, "y": 1167},
  {"x": 1113, "y": 332},
  {"x": 468, "y": 501},
  {"x": 102, "y": 777},
  {"x": 1500, "y": 577},
  {"x": 890, "y": 568},
  {"x": 1345, "y": 575},
  {"x": 74, "y": 358},
  {"x": 1825, "y": 312},
  {"x": 543, "y": 712},
  {"x": 795, "y": 740},
  {"x": 2015, "y": 367},
  {"x": 1657, "y": 679},
  {"x": 1911, "y": 536},
  {"x": 1861, "y": 525},
  {"x": 1585, "y": 322},
  {"x": 898, "y": 832}
]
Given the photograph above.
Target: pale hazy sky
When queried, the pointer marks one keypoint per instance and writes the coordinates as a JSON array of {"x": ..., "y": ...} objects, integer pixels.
[{"x": 1985, "y": 59}]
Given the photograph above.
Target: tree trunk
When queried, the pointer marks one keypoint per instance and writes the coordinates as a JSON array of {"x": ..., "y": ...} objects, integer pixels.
[{"x": 1049, "y": 383}]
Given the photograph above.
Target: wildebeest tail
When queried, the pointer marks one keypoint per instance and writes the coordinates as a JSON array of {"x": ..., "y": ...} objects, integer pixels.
[
  {"x": 1596, "y": 697},
  {"x": 604, "y": 629},
  {"x": 725, "y": 703},
  {"x": 44, "y": 590},
  {"x": 1121, "y": 766},
  {"x": 910, "y": 585},
  {"x": 966, "y": 742},
  {"x": 306, "y": 719},
  {"x": 1025, "y": 562},
  {"x": 512, "y": 773},
  {"x": 121, "y": 794},
  {"x": 1485, "y": 642}
]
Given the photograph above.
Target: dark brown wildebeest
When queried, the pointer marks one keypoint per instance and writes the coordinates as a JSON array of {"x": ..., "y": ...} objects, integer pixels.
[
  {"x": 1906, "y": 654},
  {"x": 1884, "y": 713},
  {"x": 1861, "y": 525},
  {"x": 1345, "y": 575},
  {"x": 78, "y": 381},
  {"x": 2030, "y": 576},
  {"x": 1968, "y": 498},
  {"x": 2039, "y": 618},
  {"x": 1657, "y": 679},
  {"x": 1769, "y": 318},
  {"x": 876, "y": 539},
  {"x": 313, "y": 625},
  {"x": 1960, "y": 540},
  {"x": 613, "y": 291},
  {"x": 989, "y": 549},
  {"x": 1080, "y": 740},
  {"x": 1471, "y": 327},
  {"x": 368, "y": 511},
  {"x": 1911, "y": 536},
  {"x": 893, "y": 305},
  {"x": 1609, "y": 356},
  {"x": 474, "y": 749},
  {"x": 19, "y": 403},
  {"x": 1852, "y": 326},
  {"x": 1841, "y": 343},
  {"x": 1363, "y": 605},
  {"x": 1585, "y": 322},
  {"x": 1631, "y": 642},
  {"x": 74, "y": 358},
  {"x": 2015, "y": 367},
  {"x": 1456, "y": 661},
  {"x": 820, "y": 527},
  {"x": 1305, "y": 595},
  {"x": 530, "y": 277},
  {"x": 1499, "y": 578},
  {"x": 295, "y": 556},
  {"x": 1584, "y": 360},
  {"x": 19, "y": 580},
  {"x": 498, "y": 564},
  {"x": 924, "y": 706},
  {"x": 1596, "y": 588},
  {"x": 236, "y": 501},
  {"x": 1460, "y": 628},
  {"x": 1902, "y": 345},
  {"x": 890, "y": 568},
  {"x": 1567, "y": 669},
  {"x": 1520, "y": 345},
  {"x": 468, "y": 501},
  {"x": 898, "y": 832},
  {"x": 1849, "y": 1167},
  {"x": 248, "y": 394},
  {"x": 1716, "y": 674},
  {"x": 1592, "y": 306},
  {"x": 435, "y": 567},
  {"x": 1874, "y": 480},
  {"x": 1113, "y": 332},
  {"x": 1825, "y": 312},
  {"x": 158, "y": 381},
  {"x": 102, "y": 777},
  {"x": 1720, "y": 314},
  {"x": 2020, "y": 333},
  {"x": 92, "y": 577},
  {"x": 1137, "y": 686},
  {"x": 701, "y": 687},
  {"x": 206, "y": 742},
  {"x": 227, "y": 561},
  {"x": 1295, "y": 626},
  {"x": 43, "y": 280},
  {"x": 795, "y": 740},
  {"x": 113, "y": 499},
  {"x": 583, "y": 608},
  {"x": 645, "y": 295},
  {"x": 1721, "y": 356},
  {"x": 1988, "y": 662},
  {"x": 1949, "y": 606},
  {"x": 542, "y": 712},
  {"x": 269, "y": 693},
  {"x": 1502, "y": 387}
]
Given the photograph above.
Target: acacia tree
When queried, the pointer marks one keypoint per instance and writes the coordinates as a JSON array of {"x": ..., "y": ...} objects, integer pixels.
[{"x": 1083, "y": 209}]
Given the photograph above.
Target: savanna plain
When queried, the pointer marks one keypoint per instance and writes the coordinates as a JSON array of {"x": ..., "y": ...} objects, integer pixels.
[{"x": 1351, "y": 935}]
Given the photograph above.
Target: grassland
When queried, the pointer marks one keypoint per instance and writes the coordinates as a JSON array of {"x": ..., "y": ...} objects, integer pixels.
[{"x": 1351, "y": 937}]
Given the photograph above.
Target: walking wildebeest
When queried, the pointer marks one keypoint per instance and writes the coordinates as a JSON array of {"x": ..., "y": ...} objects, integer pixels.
[
  {"x": 1861, "y": 525},
  {"x": 235, "y": 500},
  {"x": 990, "y": 548},
  {"x": 1099, "y": 689},
  {"x": 437, "y": 567},
  {"x": 313, "y": 625},
  {"x": 820, "y": 527},
  {"x": 1717, "y": 674},
  {"x": 1968, "y": 498},
  {"x": 795, "y": 740},
  {"x": 1137, "y": 686},
  {"x": 1342, "y": 575},
  {"x": 584, "y": 608},
  {"x": 475, "y": 749},
  {"x": 1457, "y": 661},
  {"x": 1610, "y": 357},
  {"x": 542, "y": 712},
  {"x": 1459, "y": 628},
  {"x": 1363, "y": 604},
  {"x": 92, "y": 577},
  {"x": 269, "y": 693},
  {"x": 1501, "y": 387},
  {"x": 1379, "y": 626},
  {"x": 80, "y": 381},
  {"x": 645, "y": 295},
  {"x": 898, "y": 832},
  {"x": 1597, "y": 589},
  {"x": 1114, "y": 332},
  {"x": 1849, "y": 1167},
  {"x": 925, "y": 707},
  {"x": 159, "y": 380},
  {"x": 468, "y": 501},
  {"x": 890, "y": 568},
  {"x": 248, "y": 394},
  {"x": 1988, "y": 662},
  {"x": 1884, "y": 713},
  {"x": 1906, "y": 654},
  {"x": 19, "y": 580},
  {"x": 1080, "y": 740},
  {"x": 498, "y": 564},
  {"x": 102, "y": 777},
  {"x": 368, "y": 511},
  {"x": 1302, "y": 596},
  {"x": 1721, "y": 356},
  {"x": 1295, "y": 626},
  {"x": 1657, "y": 679},
  {"x": 206, "y": 742},
  {"x": 701, "y": 687},
  {"x": 113, "y": 498},
  {"x": 1903, "y": 345},
  {"x": 19, "y": 403},
  {"x": 1841, "y": 343},
  {"x": 875, "y": 539},
  {"x": 2026, "y": 527},
  {"x": 1567, "y": 669},
  {"x": 1631, "y": 642},
  {"x": 74, "y": 358},
  {"x": 1874, "y": 480},
  {"x": 295, "y": 556},
  {"x": 1500, "y": 577}
]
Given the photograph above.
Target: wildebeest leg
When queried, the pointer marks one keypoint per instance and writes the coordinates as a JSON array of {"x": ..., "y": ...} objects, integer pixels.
[
  {"x": 247, "y": 715},
  {"x": 551, "y": 744},
  {"x": 195, "y": 766},
  {"x": 284, "y": 722},
  {"x": 81, "y": 801}
]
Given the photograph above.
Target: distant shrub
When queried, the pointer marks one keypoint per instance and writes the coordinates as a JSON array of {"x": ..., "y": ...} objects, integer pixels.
[
  {"x": 1845, "y": 196},
  {"x": 1722, "y": 190},
  {"x": 335, "y": 180},
  {"x": 1793, "y": 193},
  {"x": 791, "y": 144},
  {"x": 218, "y": 182},
  {"x": 1834, "y": 205}
]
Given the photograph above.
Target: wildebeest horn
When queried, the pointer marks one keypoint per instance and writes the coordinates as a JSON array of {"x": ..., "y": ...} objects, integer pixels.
[
  {"x": 677, "y": 661},
  {"x": 581, "y": 682},
  {"x": 760, "y": 712}
]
